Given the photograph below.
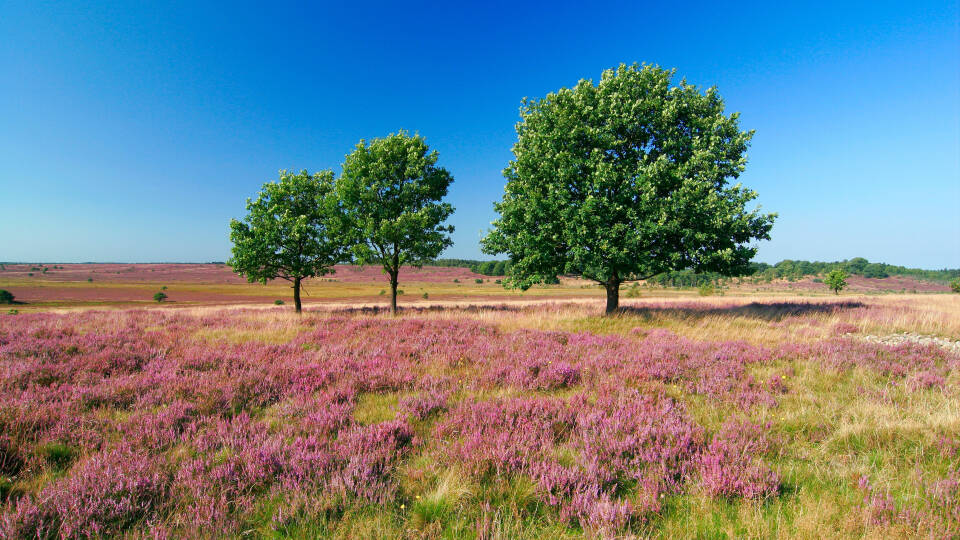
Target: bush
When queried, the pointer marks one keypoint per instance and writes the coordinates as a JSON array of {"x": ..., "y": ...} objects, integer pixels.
[
  {"x": 633, "y": 291},
  {"x": 278, "y": 302},
  {"x": 6, "y": 297},
  {"x": 89, "y": 280},
  {"x": 160, "y": 297},
  {"x": 706, "y": 289},
  {"x": 426, "y": 296},
  {"x": 455, "y": 280},
  {"x": 955, "y": 285},
  {"x": 478, "y": 281}
]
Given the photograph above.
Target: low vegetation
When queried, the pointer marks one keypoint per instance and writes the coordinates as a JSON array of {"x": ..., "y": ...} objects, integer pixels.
[{"x": 673, "y": 419}]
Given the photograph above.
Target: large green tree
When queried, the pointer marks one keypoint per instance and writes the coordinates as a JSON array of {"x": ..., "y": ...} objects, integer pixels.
[
  {"x": 390, "y": 193},
  {"x": 625, "y": 179},
  {"x": 293, "y": 231}
]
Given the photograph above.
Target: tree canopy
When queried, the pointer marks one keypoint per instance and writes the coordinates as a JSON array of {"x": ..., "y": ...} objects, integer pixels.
[
  {"x": 292, "y": 231},
  {"x": 390, "y": 194},
  {"x": 626, "y": 178},
  {"x": 836, "y": 280}
]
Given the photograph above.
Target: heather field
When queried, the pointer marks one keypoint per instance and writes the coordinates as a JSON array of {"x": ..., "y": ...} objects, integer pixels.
[
  {"x": 677, "y": 418},
  {"x": 129, "y": 285},
  {"x": 126, "y": 285}
]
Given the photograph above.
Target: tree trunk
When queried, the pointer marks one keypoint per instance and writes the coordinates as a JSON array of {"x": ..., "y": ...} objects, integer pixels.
[
  {"x": 613, "y": 296},
  {"x": 296, "y": 294},
  {"x": 393, "y": 291}
]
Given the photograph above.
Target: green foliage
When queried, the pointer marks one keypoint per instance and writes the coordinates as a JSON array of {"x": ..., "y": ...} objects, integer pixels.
[
  {"x": 13, "y": 312},
  {"x": 626, "y": 177},
  {"x": 390, "y": 194},
  {"x": 487, "y": 268},
  {"x": 163, "y": 288},
  {"x": 160, "y": 296},
  {"x": 89, "y": 280},
  {"x": 278, "y": 302},
  {"x": 707, "y": 289},
  {"x": 6, "y": 297},
  {"x": 426, "y": 296},
  {"x": 57, "y": 455},
  {"x": 292, "y": 231},
  {"x": 836, "y": 280},
  {"x": 478, "y": 281},
  {"x": 955, "y": 285}
]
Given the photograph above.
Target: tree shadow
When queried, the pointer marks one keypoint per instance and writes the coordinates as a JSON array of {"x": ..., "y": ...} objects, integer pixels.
[{"x": 775, "y": 311}]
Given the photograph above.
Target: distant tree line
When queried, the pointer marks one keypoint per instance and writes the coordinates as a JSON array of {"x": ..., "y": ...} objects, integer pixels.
[
  {"x": 486, "y": 268},
  {"x": 793, "y": 270}
]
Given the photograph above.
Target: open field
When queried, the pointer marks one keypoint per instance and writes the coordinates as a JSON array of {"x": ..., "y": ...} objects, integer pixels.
[
  {"x": 737, "y": 416},
  {"x": 126, "y": 285},
  {"x": 130, "y": 285}
]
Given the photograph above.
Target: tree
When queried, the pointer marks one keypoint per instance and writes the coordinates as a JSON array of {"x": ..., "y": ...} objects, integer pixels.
[
  {"x": 292, "y": 231},
  {"x": 160, "y": 296},
  {"x": 955, "y": 285},
  {"x": 836, "y": 280},
  {"x": 626, "y": 179},
  {"x": 390, "y": 194},
  {"x": 6, "y": 297}
]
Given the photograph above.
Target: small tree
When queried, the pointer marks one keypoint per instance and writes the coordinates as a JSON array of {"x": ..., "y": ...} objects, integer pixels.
[
  {"x": 160, "y": 296},
  {"x": 292, "y": 231},
  {"x": 6, "y": 297},
  {"x": 955, "y": 285},
  {"x": 390, "y": 194},
  {"x": 836, "y": 280},
  {"x": 626, "y": 179}
]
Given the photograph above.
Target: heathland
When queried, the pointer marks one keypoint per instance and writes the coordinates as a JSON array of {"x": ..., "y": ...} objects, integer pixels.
[{"x": 476, "y": 412}]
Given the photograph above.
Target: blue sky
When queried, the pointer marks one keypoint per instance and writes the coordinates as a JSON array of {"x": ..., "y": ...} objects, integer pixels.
[{"x": 135, "y": 132}]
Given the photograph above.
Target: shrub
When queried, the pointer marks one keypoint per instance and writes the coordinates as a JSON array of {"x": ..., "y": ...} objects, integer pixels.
[
  {"x": 426, "y": 296},
  {"x": 160, "y": 296},
  {"x": 6, "y": 297},
  {"x": 163, "y": 288},
  {"x": 478, "y": 281},
  {"x": 278, "y": 302},
  {"x": 12, "y": 312},
  {"x": 955, "y": 285},
  {"x": 455, "y": 280},
  {"x": 706, "y": 289},
  {"x": 633, "y": 291}
]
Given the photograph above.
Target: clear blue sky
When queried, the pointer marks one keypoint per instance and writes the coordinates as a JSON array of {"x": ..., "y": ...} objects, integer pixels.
[{"x": 135, "y": 132}]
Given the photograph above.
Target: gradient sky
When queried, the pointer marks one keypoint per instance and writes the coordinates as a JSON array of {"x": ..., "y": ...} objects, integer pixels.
[{"x": 135, "y": 132}]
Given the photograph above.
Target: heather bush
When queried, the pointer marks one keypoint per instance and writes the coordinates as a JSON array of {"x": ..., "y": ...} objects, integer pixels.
[{"x": 160, "y": 422}]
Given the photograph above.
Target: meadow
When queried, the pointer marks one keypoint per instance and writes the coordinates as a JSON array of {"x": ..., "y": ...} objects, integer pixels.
[{"x": 737, "y": 416}]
